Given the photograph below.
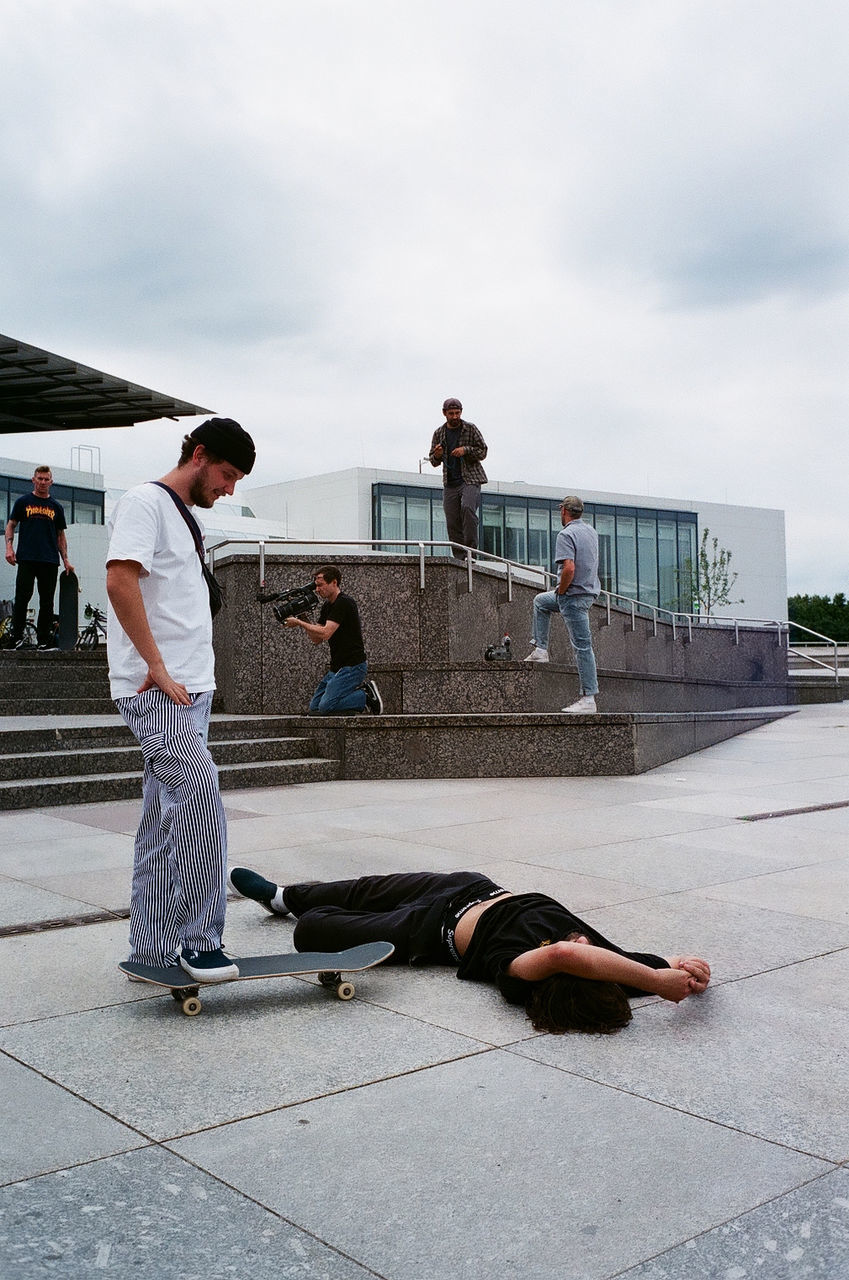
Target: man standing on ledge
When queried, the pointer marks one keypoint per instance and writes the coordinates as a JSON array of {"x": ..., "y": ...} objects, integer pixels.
[
  {"x": 344, "y": 691},
  {"x": 40, "y": 520},
  {"x": 162, "y": 676},
  {"x": 460, "y": 448},
  {"x": 576, "y": 562}
]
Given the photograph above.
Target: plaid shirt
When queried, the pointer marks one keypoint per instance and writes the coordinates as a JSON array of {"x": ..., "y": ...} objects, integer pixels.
[{"x": 470, "y": 463}]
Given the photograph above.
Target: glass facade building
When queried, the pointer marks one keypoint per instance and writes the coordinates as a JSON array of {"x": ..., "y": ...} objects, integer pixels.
[
  {"x": 645, "y": 553},
  {"x": 81, "y": 506}
]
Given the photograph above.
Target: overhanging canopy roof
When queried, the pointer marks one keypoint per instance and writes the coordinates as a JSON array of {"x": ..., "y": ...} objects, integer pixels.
[{"x": 40, "y": 391}]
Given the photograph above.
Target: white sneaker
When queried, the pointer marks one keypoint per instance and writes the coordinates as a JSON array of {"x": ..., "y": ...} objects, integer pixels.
[
  {"x": 585, "y": 706},
  {"x": 537, "y": 655}
]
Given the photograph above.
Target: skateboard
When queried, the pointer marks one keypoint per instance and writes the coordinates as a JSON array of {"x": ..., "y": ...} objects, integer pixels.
[
  {"x": 69, "y": 604},
  {"x": 328, "y": 965}
]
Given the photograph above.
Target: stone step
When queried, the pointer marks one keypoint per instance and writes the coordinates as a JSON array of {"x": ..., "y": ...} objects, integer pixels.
[
  {"x": 73, "y": 705},
  {"x": 86, "y": 684},
  {"x": 71, "y": 737},
  {"x": 36, "y": 793},
  {"x": 110, "y": 760},
  {"x": 30, "y": 664}
]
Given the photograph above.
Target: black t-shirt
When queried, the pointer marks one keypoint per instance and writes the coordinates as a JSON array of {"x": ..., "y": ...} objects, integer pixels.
[
  {"x": 454, "y": 465},
  {"x": 346, "y": 643},
  {"x": 523, "y": 923},
  {"x": 39, "y": 521}
]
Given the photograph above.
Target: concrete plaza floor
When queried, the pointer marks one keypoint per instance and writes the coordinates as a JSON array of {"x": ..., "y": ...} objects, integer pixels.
[{"x": 424, "y": 1129}]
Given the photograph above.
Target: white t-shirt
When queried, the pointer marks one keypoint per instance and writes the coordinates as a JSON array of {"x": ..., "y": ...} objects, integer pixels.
[{"x": 147, "y": 527}]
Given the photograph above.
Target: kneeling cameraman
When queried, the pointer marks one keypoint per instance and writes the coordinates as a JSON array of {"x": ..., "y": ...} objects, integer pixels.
[{"x": 345, "y": 689}]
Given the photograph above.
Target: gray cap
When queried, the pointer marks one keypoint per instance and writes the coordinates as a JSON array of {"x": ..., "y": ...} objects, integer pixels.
[
  {"x": 573, "y": 505},
  {"x": 452, "y": 403}
]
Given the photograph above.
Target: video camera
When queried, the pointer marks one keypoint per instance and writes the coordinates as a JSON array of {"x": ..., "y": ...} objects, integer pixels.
[{"x": 291, "y": 604}]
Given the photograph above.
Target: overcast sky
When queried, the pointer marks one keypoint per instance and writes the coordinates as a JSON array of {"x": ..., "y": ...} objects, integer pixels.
[{"x": 618, "y": 230}]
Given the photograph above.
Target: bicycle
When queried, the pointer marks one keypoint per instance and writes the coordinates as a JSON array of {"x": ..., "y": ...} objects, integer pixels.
[{"x": 89, "y": 637}]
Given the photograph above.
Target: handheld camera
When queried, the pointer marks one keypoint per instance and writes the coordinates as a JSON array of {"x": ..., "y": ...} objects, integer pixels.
[{"x": 292, "y": 604}]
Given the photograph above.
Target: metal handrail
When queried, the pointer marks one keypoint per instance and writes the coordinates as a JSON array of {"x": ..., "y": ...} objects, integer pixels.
[{"x": 474, "y": 558}]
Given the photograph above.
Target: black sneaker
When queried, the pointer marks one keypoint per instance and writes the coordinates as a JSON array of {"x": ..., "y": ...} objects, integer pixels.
[
  {"x": 374, "y": 702},
  {"x": 250, "y": 885},
  {"x": 209, "y": 966}
]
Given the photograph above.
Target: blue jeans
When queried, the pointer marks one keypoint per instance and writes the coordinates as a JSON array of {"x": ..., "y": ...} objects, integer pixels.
[
  {"x": 340, "y": 691},
  {"x": 574, "y": 611}
]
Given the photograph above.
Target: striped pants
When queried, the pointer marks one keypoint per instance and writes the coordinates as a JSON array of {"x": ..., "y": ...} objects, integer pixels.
[{"x": 179, "y": 875}]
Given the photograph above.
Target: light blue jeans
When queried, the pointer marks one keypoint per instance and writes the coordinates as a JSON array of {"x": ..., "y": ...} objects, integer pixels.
[
  {"x": 340, "y": 691},
  {"x": 574, "y": 611}
]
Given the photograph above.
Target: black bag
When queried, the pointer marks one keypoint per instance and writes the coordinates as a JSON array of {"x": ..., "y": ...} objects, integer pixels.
[{"x": 213, "y": 586}]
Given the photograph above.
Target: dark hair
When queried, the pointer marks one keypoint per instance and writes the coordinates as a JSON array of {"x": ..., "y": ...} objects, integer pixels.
[
  {"x": 564, "y": 1002},
  {"x": 188, "y": 448},
  {"x": 330, "y": 573}
]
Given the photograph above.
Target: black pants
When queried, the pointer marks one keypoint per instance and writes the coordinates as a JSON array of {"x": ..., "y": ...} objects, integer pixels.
[
  {"x": 30, "y": 572},
  {"x": 406, "y": 910}
]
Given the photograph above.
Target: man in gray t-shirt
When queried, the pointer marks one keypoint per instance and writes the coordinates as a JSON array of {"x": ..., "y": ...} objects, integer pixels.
[{"x": 576, "y": 562}]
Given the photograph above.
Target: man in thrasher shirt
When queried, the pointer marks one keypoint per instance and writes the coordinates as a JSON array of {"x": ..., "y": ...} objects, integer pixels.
[{"x": 40, "y": 521}]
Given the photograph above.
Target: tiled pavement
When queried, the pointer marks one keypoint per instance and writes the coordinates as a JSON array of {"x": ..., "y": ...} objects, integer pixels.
[{"x": 424, "y": 1129}]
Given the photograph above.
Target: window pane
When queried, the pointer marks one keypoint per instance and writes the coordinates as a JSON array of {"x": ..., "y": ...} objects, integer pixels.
[
  {"x": 418, "y": 518},
  {"x": 539, "y": 541},
  {"x": 86, "y": 513},
  {"x": 606, "y": 530},
  {"x": 440, "y": 528},
  {"x": 647, "y": 553},
  {"x": 492, "y": 527},
  {"x": 687, "y": 566},
  {"x": 516, "y": 542},
  {"x": 17, "y": 489},
  {"x": 391, "y": 521},
  {"x": 667, "y": 564},
  {"x": 626, "y": 556}
]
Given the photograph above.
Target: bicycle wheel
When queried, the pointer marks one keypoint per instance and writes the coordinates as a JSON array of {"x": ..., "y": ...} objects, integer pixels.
[
  {"x": 89, "y": 638},
  {"x": 30, "y": 637}
]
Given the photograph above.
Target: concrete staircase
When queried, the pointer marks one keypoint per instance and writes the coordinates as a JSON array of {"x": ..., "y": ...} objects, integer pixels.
[
  {"x": 39, "y": 684},
  {"x": 78, "y": 764}
]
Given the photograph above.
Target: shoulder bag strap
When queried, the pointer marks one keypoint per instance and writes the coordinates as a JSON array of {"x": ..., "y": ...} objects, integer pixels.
[{"x": 194, "y": 529}]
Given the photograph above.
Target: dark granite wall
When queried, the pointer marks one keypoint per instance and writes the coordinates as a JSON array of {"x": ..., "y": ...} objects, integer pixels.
[{"x": 427, "y": 646}]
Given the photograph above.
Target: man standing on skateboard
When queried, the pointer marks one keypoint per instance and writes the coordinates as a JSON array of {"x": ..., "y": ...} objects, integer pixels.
[
  {"x": 161, "y": 672},
  {"x": 41, "y": 525}
]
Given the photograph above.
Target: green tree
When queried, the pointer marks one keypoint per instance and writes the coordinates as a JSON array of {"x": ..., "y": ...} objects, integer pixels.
[
  {"x": 711, "y": 578},
  {"x": 826, "y": 614}
]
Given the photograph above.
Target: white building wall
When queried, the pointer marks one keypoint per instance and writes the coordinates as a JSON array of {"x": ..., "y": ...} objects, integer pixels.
[{"x": 335, "y": 505}]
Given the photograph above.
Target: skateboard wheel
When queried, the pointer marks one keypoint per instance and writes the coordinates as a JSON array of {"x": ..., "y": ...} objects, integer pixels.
[
  {"x": 191, "y": 1006},
  {"x": 345, "y": 990},
  {"x": 328, "y": 978}
]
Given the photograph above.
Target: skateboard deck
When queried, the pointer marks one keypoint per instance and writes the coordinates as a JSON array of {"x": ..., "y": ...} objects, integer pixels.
[
  {"x": 328, "y": 965},
  {"x": 69, "y": 606}
]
